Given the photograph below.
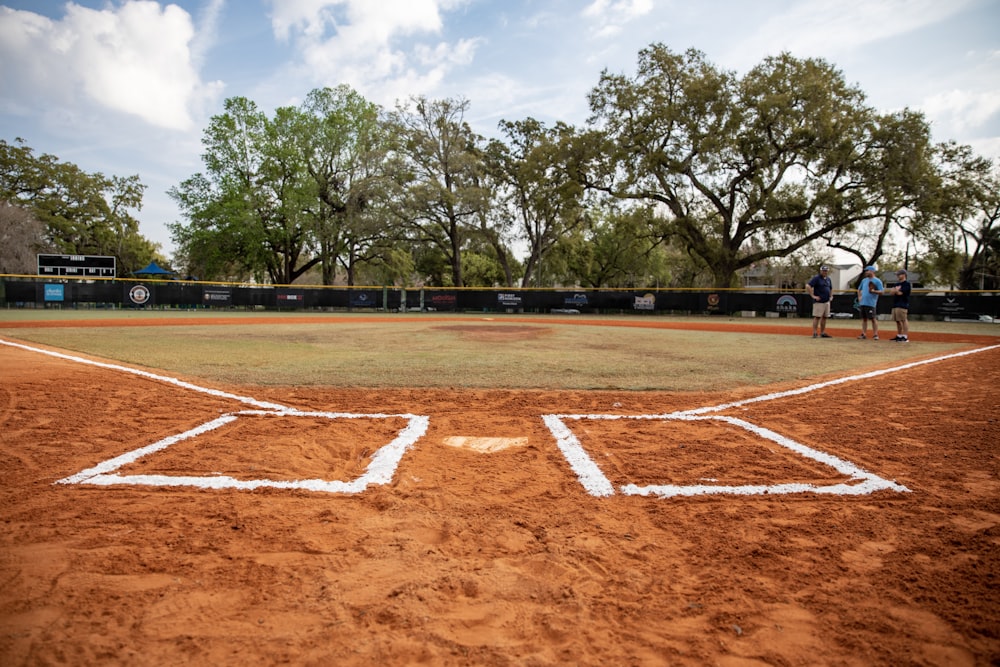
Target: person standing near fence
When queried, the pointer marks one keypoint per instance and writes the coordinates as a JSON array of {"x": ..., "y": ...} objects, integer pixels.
[
  {"x": 901, "y": 307},
  {"x": 820, "y": 288},
  {"x": 868, "y": 292}
]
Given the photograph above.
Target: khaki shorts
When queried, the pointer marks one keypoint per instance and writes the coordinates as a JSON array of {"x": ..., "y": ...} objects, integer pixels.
[
  {"x": 899, "y": 314},
  {"x": 821, "y": 309}
]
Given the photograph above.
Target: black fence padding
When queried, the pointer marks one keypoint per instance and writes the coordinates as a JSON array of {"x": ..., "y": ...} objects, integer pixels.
[{"x": 181, "y": 294}]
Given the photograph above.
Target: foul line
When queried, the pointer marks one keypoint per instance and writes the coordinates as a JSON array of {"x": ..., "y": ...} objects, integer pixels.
[
  {"x": 596, "y": 482},
  {"x": 786, "y": 394},
  {"x": 151, "y": 376}
]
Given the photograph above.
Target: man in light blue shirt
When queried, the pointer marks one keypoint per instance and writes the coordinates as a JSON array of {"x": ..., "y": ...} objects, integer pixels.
[{"x": 868, "y": 292}]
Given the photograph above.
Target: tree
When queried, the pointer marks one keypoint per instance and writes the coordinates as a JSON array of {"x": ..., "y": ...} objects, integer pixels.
[
  {"x": 899, "y": 186},
  {"x": 22, "y": 238},
  {"x": 615, "y": 249},
  {"x": 250, "y": 211},
  {"x": 964, "y": 237},
  {"x": 82, "y": 213},
  {"x": 441, "y": 181},
  {"x": 535, "y": 188},
  {"x": 776, "y": 159},
  {"x": 345, "y": 145}
]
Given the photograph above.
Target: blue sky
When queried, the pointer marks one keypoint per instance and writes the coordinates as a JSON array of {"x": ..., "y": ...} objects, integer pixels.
[{"x": 126, "y": 87}]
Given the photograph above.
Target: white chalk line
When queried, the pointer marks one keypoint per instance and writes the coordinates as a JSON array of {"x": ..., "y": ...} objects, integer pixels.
[
  {"x": 150, "y": 376},
  {"x": 380, "y": 469},
  {"x": 831, "y": 383},
  {"x": 386, "y": 459},
  {"x": 862, "y": 482}
]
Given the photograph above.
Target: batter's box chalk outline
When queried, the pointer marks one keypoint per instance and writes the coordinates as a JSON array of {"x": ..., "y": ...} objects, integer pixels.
[
  {"x": 596, "y": 482},
  {"x": 380, "y": 469}
]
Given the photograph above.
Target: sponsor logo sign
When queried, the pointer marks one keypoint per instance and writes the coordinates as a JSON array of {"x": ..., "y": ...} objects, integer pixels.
[
  {"x": 364, "y": 299},
  {"x": 140, "y": 295},
  {"x": 55, "y": 292},
  {"x": 509, "y": 299},
  {"x": 442, "y": 300},
  {"x": 289, "y": 298},
  {"x": 951, "y": 307},
  {"x": 787, "y": 304},
  {"x": 216, "y": 296},
  {"x": 644, "y": 302}
]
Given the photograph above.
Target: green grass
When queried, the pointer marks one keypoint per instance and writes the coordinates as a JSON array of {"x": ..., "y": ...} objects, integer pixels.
[{"x": 410, "y": 350}]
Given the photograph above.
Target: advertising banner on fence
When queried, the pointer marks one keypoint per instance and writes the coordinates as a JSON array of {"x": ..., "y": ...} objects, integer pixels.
[
  {"x": 291, "y": 298},
  {"x": 441, "y": 300},
  {"x": 138, "y": 295},
  {"x": 216, "y": 296},
  {"x": 644, "y": 302},
  {"x": 786, "y": 304},
  {"x": 509, "y": 299},
  {"x": 55, "y": 292},
  {"x": 364, "y": 299}
]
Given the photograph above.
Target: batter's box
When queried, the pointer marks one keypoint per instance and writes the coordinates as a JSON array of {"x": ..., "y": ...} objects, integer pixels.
[
  {"x": 382, "y": 461},
  {"x": 738, "y": 433}
]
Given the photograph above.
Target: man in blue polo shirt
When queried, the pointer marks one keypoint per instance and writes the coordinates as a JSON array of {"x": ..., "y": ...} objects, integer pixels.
[
  {"x": 820, "y": 288},
  {"x": 868, "y": 292}
]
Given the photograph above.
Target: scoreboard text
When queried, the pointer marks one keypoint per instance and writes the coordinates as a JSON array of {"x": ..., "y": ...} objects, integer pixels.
[{"x": 80, "y": 266}]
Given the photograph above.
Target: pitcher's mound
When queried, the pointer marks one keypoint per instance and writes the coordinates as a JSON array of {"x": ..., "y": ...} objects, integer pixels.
[{"x": 484, "y": 445}]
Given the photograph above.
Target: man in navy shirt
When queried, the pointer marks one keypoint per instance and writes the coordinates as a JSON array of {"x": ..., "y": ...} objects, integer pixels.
[
  {"x": 820, "y": 288},
  {"x": 901, "y": 307}
]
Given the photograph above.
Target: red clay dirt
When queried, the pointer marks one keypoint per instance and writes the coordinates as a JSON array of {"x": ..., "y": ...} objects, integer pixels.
[{"x": 502, "y": 557}]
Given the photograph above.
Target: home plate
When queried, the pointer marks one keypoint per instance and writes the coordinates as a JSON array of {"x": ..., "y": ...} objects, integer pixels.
[{"x": 484, "y": 445}]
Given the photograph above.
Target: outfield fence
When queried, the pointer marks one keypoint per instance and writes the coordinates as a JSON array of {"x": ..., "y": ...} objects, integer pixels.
[{"x": 18, "y": 291}]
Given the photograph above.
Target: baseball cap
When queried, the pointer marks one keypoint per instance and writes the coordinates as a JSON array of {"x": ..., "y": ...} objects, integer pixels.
[
  {"x": 901, "y": 272},
  {"x": 824, "y": 268},
  {"x": 870, "y": 268}
]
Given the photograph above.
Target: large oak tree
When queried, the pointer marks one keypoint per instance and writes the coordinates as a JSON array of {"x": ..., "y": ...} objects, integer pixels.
[{"x": 742, "y": 168}]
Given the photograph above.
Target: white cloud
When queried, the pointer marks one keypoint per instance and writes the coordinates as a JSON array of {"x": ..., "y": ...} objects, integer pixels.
[
  {"x": 828, "y": 27},
  {"x": 207, "y": 31},
  {"x": 962, "y": 110},
  {"x": 610, "y": 16},
  {"x": 134, "y": 58},
  {"x": 622, "y": 10},
  {"x": 371, "y": 45}
]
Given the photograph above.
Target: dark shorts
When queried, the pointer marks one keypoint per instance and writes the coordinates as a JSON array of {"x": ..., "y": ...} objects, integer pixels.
[{"x": 867, "y": 312}]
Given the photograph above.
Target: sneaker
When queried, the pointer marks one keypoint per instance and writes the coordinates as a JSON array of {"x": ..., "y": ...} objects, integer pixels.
[
  {"x": 896, "y": 339},
  {"x": 904, "y": 339},
  {"x": 825, "y": 335},
  {"x": 875, "y": 337},
  {"x": 815, "y": 335},
  {"x": 862, "y": 337}
]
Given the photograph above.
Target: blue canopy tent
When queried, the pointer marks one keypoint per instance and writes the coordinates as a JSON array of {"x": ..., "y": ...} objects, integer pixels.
[{"x": 153, "y": 269}]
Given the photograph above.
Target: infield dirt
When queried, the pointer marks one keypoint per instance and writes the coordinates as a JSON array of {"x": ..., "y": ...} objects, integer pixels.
[{"x": 499, "y": 556}]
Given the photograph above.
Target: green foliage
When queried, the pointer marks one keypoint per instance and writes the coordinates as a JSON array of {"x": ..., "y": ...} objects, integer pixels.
[
  {"x": 617, "y": 249},
  {"x": 534, "y": 187},
  {"x": 440, "y": 176},
  {"x": 685, "y": 175},
  {"x": 742, "y": 168},
  {"x": 82, "y": 213}
]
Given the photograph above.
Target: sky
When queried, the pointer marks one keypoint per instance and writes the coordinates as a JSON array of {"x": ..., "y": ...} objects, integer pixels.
[{"x": 127, "y": 87}]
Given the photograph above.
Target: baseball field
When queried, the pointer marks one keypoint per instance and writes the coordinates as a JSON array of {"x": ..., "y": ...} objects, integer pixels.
[{"x": 400, "y": 489}]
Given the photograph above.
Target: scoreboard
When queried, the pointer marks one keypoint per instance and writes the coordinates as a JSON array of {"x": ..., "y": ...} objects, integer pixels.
[{"x": 80, "y": 266}]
